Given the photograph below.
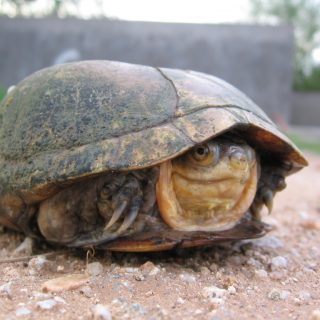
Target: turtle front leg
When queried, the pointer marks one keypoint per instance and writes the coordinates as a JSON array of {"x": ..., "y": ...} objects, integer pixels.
[
  {"x": 271, "y": 181},
  {"x": 119, "y": 207}
]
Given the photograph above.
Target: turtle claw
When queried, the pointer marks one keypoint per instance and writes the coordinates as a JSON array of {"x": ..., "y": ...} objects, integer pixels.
[
  {"x": 131, "y": 216},
  {"x": 267, "y": 199},
  {"x": 264, "y": 198},
  {"x": 116, "y": 214},
  {"x": 126, "y": 202}
]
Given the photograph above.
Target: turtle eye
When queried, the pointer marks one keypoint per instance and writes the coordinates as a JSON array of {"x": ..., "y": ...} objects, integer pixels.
[{"x": 201, "y": 152}]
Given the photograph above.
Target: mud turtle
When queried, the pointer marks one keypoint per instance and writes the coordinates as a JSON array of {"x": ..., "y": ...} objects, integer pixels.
[{"x": 136, "y": 158}]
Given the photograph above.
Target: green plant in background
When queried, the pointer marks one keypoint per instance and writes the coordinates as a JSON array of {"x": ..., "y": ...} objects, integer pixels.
[
  {"x": 3, "y": 92},
  {"x": 304, "y": 143},
  {"x": 304, "y": 16},
  {"x": 311, "y": 82}
]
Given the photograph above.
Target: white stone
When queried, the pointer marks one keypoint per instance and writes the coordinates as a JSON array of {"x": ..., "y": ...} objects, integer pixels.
[
  {"x": 46, "y": 304},
  {"x": 232, "y": 290},
  {"x": 277, "y": 294},
  {"x": 180, "y": 301},
  {"x": 214, "y": 292},
  {"x": 269, "y": 242},
  {"x": 278, "y": 263},
  {"x": 304, "y": 296},
  {"x": 5, "y": 289},
  {"x": 24, "y": 248},
  {"x": 94, "y": 268},
  {"x": 186, "y": 277},
  {"x": 315, "y": 314},
  {"x": 154, "y": 271},
  {"x": 23, "y": 311},
  {"x": 37, "y": 264},
  {"x": 101, "y": 312},
  {"x": 261, "y": 273},
  {"x": 59, "y": 300}
]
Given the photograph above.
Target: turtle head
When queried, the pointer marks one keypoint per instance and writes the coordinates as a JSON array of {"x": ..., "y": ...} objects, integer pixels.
[{"x": 210, "y": 187}]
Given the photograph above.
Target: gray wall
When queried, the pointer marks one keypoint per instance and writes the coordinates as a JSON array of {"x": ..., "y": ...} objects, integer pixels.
[
  {"x": 256, "y": 59},
  {"x": 306, "y": 108}
]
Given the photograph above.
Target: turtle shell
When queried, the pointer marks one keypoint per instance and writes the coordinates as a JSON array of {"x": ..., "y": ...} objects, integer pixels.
[{"x": 76, "y": 120}]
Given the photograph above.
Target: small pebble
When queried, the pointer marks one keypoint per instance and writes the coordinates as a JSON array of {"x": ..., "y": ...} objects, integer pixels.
[
  {"x": 5, "y": 289},
  {"x": 214, "y": 292},
  {"x": 261, "y": 273},
  {"x": 69, "y": 282},
  {"x": 204, "y": 270},
  {"x": 277, "y": 275},
  {"x": 311, "y": 225},
  {"x": 94, "y": 269},
  {"x": 149, "y": 268},
  {"x": 139, "y": 277},
  {"x": 60, "y": 268},
  {"x": 232, "y": 290},
  {"x": 186, "y": 277},
  {"x": 304, "y": 296},
  {"x": 236, "y": 260},
  {"x": 41, "y": 295},
  {"x": 214, "y": 267},
  {"x": 59, "y": 300},
  {"x": 101, "y": 312},
  {"x": 24, "y": 248},
  {"x": 215, "y": 303},
  {"x": 149, "y": 293},
  {"x": 180, "y": 301},
  {"x": 46, "y": 304},
  {"x": 37, "y": 264},
  {"x": 253, "y": 262},
  {"x": 130, "y": 270},
  {"x": 278, "y": 263},
  {"x": 87, "y": 291},
  {"x": 137, "y": 307},
  {"x": 269, "y": 242},
  {"x": 315, "y": 315},
  {"x": 22, "y": 311},
  {"x": 277, "y": 294}
]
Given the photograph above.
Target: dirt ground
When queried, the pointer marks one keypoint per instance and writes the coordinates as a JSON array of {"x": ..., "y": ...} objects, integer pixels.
[{"x": 276, "y": 277}]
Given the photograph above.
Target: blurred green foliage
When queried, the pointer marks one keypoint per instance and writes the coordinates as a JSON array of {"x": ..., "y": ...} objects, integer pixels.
[
  {"x": 310, "y": 82},
  {"x": 3, "y": 92},
  {"x": 304, "y": 16},
  {"x": 305, "y": 143}
]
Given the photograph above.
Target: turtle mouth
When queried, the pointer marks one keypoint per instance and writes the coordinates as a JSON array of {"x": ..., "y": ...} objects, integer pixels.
[
  {"x": 203, "y": 205},
  {"x": 204, "y": 181}
]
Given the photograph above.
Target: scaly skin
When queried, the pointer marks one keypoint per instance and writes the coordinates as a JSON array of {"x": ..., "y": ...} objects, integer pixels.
[{"x": 213, "y": 186}]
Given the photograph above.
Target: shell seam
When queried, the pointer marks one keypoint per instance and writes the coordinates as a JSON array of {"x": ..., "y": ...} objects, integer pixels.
[{"x": 171, "y": 83}]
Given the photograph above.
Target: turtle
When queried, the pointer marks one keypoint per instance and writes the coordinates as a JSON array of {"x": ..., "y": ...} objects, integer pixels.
[{"x": 127, "y": 157}]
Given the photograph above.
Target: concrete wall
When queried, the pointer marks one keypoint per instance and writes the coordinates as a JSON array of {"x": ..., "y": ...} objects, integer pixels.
[
  {"x": 256, "y": 59},
  {"x": 306, "y": 108}
]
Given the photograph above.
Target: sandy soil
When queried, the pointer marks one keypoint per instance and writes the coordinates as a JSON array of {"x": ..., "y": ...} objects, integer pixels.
[{"x": 277, "y": 277}]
